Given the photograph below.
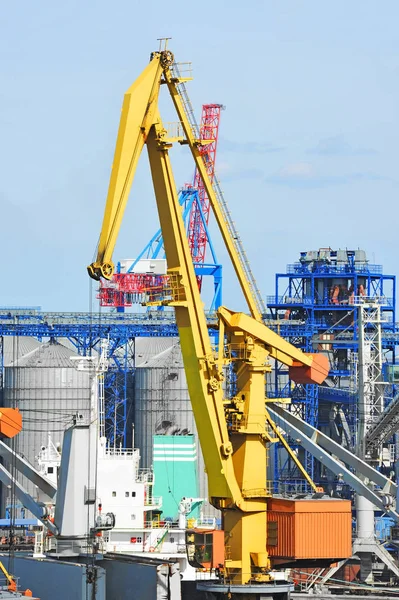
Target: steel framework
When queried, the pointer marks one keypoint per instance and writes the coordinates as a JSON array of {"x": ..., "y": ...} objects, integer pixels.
[
  {"x": 128, "y": 288},
  {"x": 199, "y": 213},
  {"x": 86, "y": 330},
  {"x": 318, "y": 295}
]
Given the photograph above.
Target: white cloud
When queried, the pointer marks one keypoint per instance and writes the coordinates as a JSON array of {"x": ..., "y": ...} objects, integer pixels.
[
  {"x": 304, "y": 175},
  {"x": 338, "y": 146},
  {"x": 299, "y": 170}
]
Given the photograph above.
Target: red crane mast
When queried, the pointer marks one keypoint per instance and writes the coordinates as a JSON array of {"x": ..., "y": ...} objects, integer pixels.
[{"x": 209, "y": 130}]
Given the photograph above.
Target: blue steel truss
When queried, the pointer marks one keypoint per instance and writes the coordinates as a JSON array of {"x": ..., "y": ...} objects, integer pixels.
[
  {"x": 188, "y": 198},
  {"x": 85, "y": 330},
  {"x": 314, "y": 304}
]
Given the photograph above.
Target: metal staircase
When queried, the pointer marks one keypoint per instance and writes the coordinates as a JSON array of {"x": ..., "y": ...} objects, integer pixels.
[{"x": 188, "y": 109}]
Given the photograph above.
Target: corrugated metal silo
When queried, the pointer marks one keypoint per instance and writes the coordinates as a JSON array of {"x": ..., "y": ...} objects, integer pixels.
[
  {"x": 16, "y": 346},
  {"x": 162, "y": 406},
  {"x": 147, "y": 348},
  {"x": 48, "y": 390}
]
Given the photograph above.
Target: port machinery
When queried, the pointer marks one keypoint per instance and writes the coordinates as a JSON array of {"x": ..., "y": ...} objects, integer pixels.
[
  {"x": 133, "y": 277},
  {"x": 275, "y": 346},
  {"x": 235, "y": 431}
]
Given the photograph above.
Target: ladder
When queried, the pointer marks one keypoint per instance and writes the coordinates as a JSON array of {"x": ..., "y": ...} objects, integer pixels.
[{"x": 237, "y": 242}]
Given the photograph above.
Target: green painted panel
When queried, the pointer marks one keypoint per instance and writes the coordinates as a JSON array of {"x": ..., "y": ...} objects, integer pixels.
[{"x": 175, "y": 471}]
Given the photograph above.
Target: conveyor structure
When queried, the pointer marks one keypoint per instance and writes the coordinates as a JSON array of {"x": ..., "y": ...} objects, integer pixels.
[{"x": 386, "y": 426}]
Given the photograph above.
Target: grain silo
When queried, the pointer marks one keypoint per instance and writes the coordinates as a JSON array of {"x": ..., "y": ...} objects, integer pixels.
[
  {"x": 45, "y": 385},
  {"x": 146, "y": 348},
  {"x": 16, "y": 346},
  {"x": 163, "y": 407}
]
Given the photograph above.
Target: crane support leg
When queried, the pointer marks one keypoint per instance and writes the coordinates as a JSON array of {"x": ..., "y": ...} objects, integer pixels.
[{"x": 246, "y": 531}]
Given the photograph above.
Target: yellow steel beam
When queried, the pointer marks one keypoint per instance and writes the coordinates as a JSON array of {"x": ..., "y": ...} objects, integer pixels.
[
  {"x": 277, "y": 346},
  {"x": 203, "y": 378},
  {"x": 139, "y": 106},
  {"x": 287, "y": 353}
]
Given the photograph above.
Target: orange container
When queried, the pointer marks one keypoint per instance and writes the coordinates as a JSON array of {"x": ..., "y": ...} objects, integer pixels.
[{"x": 309, "y": 529}]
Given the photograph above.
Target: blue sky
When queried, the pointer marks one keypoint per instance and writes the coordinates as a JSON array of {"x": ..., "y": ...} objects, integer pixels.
[{"x": 308, "y": 141}]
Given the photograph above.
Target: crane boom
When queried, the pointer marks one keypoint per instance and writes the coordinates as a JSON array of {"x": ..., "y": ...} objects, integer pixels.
[
  {"x": 144, "y": 95},
  {"x": 235, "y": 432}
]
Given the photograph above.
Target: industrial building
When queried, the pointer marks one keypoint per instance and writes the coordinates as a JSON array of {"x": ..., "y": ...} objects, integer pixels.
[{"x": 317, "y": 300}]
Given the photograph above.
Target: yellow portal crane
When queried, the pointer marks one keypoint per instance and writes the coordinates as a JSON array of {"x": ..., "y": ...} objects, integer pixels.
[{"x": 234, "y": 433}]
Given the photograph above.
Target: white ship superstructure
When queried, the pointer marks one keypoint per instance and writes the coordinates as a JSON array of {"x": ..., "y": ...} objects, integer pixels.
[{"x": 127, "y": 491}]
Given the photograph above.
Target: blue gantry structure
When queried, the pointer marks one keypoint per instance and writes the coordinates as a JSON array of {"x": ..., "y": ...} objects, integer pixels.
[
  {"x": 315, "y": 301},
  {"x": 85, "y": 331}
]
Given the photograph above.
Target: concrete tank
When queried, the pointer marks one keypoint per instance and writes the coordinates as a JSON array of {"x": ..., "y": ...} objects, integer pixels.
[
  {"x": 48, "y": 390},
  {"x": 162, "y": 406}
]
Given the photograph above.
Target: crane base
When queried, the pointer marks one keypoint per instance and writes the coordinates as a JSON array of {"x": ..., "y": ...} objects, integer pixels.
[{"x": 264, "y": 591}]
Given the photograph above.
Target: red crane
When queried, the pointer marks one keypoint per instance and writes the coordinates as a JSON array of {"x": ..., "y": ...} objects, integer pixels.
[{"x": 209, "y": 130}]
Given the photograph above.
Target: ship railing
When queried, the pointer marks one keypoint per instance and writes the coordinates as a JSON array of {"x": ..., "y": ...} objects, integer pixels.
[
  {"x": 145, "y": 476},
  {"x": 154, "y": 524},
  {"x": 121, "y": 452},
  {"x": 153, "y": 501},
  {"x": 205, "y": 523},
  {"x": 200, "y": 523}
]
